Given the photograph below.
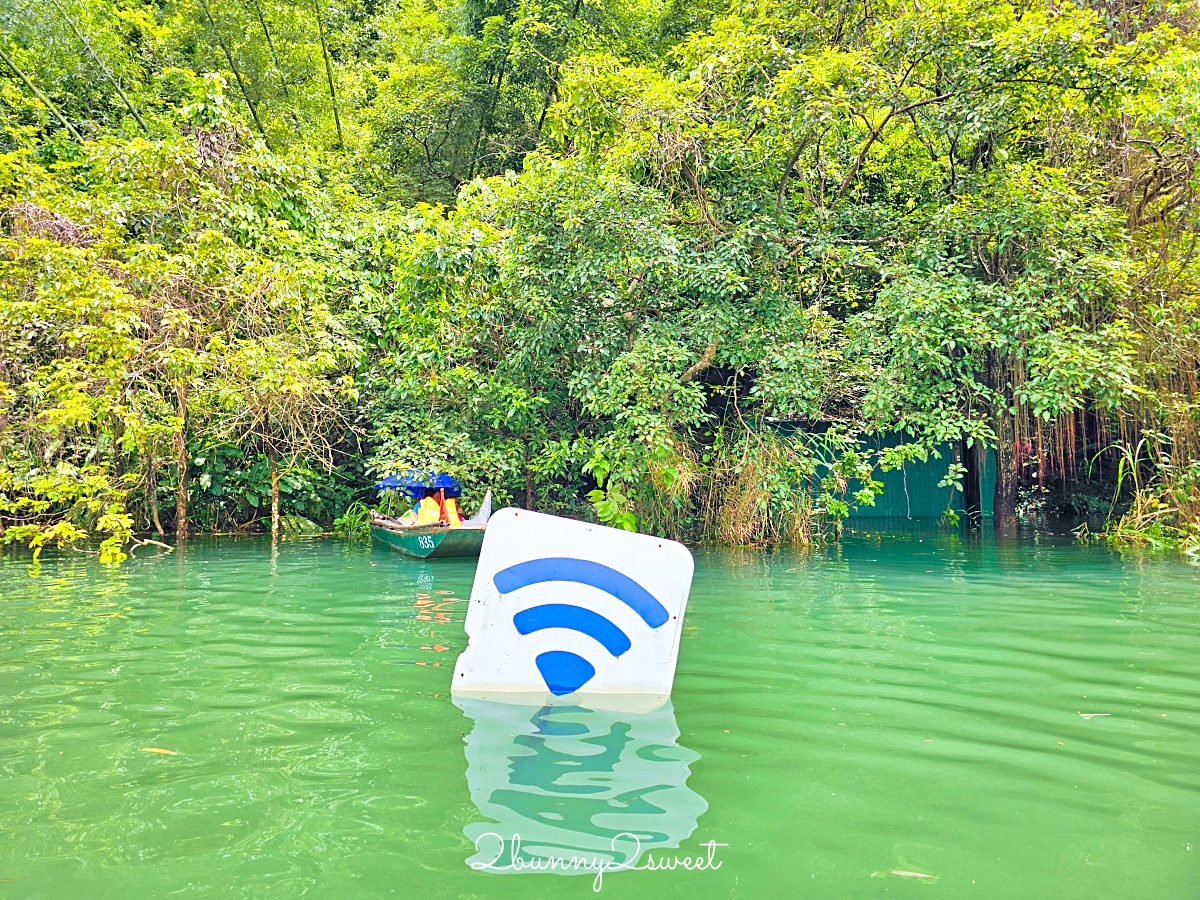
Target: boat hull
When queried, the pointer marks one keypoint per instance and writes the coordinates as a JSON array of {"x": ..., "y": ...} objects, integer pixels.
[{"x": 431, "y": 542}]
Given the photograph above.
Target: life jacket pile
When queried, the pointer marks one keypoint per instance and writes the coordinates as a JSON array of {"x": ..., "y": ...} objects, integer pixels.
[{"x": 429, "y": 512}]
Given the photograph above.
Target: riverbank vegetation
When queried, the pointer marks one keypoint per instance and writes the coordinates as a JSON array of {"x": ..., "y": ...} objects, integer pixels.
[{"x": 658, "y": 263}]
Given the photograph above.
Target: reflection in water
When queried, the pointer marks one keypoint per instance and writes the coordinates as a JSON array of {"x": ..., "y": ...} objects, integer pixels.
[{"x": 562, "y": 782}]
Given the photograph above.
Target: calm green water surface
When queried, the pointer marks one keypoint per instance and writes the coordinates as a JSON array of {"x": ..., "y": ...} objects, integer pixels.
[{"x": 1014, "y": 720}]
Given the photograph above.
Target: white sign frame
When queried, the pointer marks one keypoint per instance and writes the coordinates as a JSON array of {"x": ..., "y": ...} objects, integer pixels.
[{"x": 575, "y": 596}]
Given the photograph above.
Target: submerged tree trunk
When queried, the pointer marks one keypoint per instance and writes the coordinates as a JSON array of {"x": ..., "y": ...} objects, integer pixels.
[
  {"x": 1004, "y": 505},
  {"x": 972, "y": 482},
  {"x": 1004, "y": 500},
  {"x": 181, "y": 463},
  {"x": 274, "y": 494}
]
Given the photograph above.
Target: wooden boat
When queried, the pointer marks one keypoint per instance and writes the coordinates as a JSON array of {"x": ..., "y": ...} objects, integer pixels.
[
  {"x": 434, "y": 541},
  {"x": 429, "y": 541}
]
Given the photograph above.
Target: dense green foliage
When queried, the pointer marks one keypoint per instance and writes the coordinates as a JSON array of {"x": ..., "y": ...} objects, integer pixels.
[{"x": 665, "y": 266}]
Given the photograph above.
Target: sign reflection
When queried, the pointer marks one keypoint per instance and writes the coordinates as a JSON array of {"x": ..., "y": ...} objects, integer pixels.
[{"x": 564, "y": 782}]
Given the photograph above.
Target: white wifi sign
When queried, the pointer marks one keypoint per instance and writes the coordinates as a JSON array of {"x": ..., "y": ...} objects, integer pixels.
[{"x": 566, "y": 608}]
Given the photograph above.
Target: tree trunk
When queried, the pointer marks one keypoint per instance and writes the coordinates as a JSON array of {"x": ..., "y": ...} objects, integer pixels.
[
  {"x": 554, "y": 73},
  {"x": 181, "y": 463},
  {"x": 486, "y": 120},
  {"x": 1004, "y": 500},
  {"x": 118, "y": 433},
  {"x": 274, "y": 494},
  {"x": 528, "y": 489},
  {"x": 972, "y": 488},
  {"x": 152, "y": 494},
  {"x": 1004, "y": 506}
]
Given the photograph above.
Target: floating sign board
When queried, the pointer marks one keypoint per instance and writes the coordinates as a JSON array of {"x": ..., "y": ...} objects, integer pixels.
[{"x": 562, "y": 608}]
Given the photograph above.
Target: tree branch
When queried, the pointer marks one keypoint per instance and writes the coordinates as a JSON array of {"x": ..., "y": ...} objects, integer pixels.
[
  {"x": 705, "y": 362},
  {"x": 877, "y": 131}
]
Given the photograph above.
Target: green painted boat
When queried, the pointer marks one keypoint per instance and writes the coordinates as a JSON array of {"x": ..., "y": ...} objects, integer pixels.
[{"x": 431, "y": 541}]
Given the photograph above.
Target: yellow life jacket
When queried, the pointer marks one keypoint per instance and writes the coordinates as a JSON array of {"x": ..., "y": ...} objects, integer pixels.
[
  {"x": 452, "y": 516},
  {"x": 428, "y": 512}
]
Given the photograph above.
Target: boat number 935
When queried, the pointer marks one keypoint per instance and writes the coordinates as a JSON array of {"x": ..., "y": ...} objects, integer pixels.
[{"x": 425, "y": 541}]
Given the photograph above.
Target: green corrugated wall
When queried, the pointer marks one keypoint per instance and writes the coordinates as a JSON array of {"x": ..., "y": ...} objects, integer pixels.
[{"x": 913, "y": 492}]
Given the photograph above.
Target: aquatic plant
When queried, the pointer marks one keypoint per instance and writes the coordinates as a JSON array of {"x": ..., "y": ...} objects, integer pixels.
[{"x": 355, "y": 522}]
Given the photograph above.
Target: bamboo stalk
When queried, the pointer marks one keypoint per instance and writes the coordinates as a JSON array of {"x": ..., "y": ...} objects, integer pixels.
[
  {"x": 236, "y": 72},
  {"x": 337, "y": 119},
  {"x": 262, "y": 20},
  {"x": 103, "y": 68},
  {"x": 37, "y": 92}
]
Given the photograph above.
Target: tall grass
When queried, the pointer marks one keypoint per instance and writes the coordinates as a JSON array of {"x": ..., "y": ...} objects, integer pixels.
[
  {"x": 758, "y": 491},
  {"x": 355, "y": 523},
  {"x": 1164, "y": 513}
]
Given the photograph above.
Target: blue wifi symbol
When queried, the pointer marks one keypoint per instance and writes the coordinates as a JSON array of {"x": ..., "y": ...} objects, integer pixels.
[{"x": 565, "y": 672}]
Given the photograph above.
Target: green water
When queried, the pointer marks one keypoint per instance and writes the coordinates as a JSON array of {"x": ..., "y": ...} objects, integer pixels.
[{"x": 906, "y": 705}]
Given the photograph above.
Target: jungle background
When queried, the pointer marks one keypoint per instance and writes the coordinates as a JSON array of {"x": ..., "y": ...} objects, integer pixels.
[{"x": 667, "y": 265}]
